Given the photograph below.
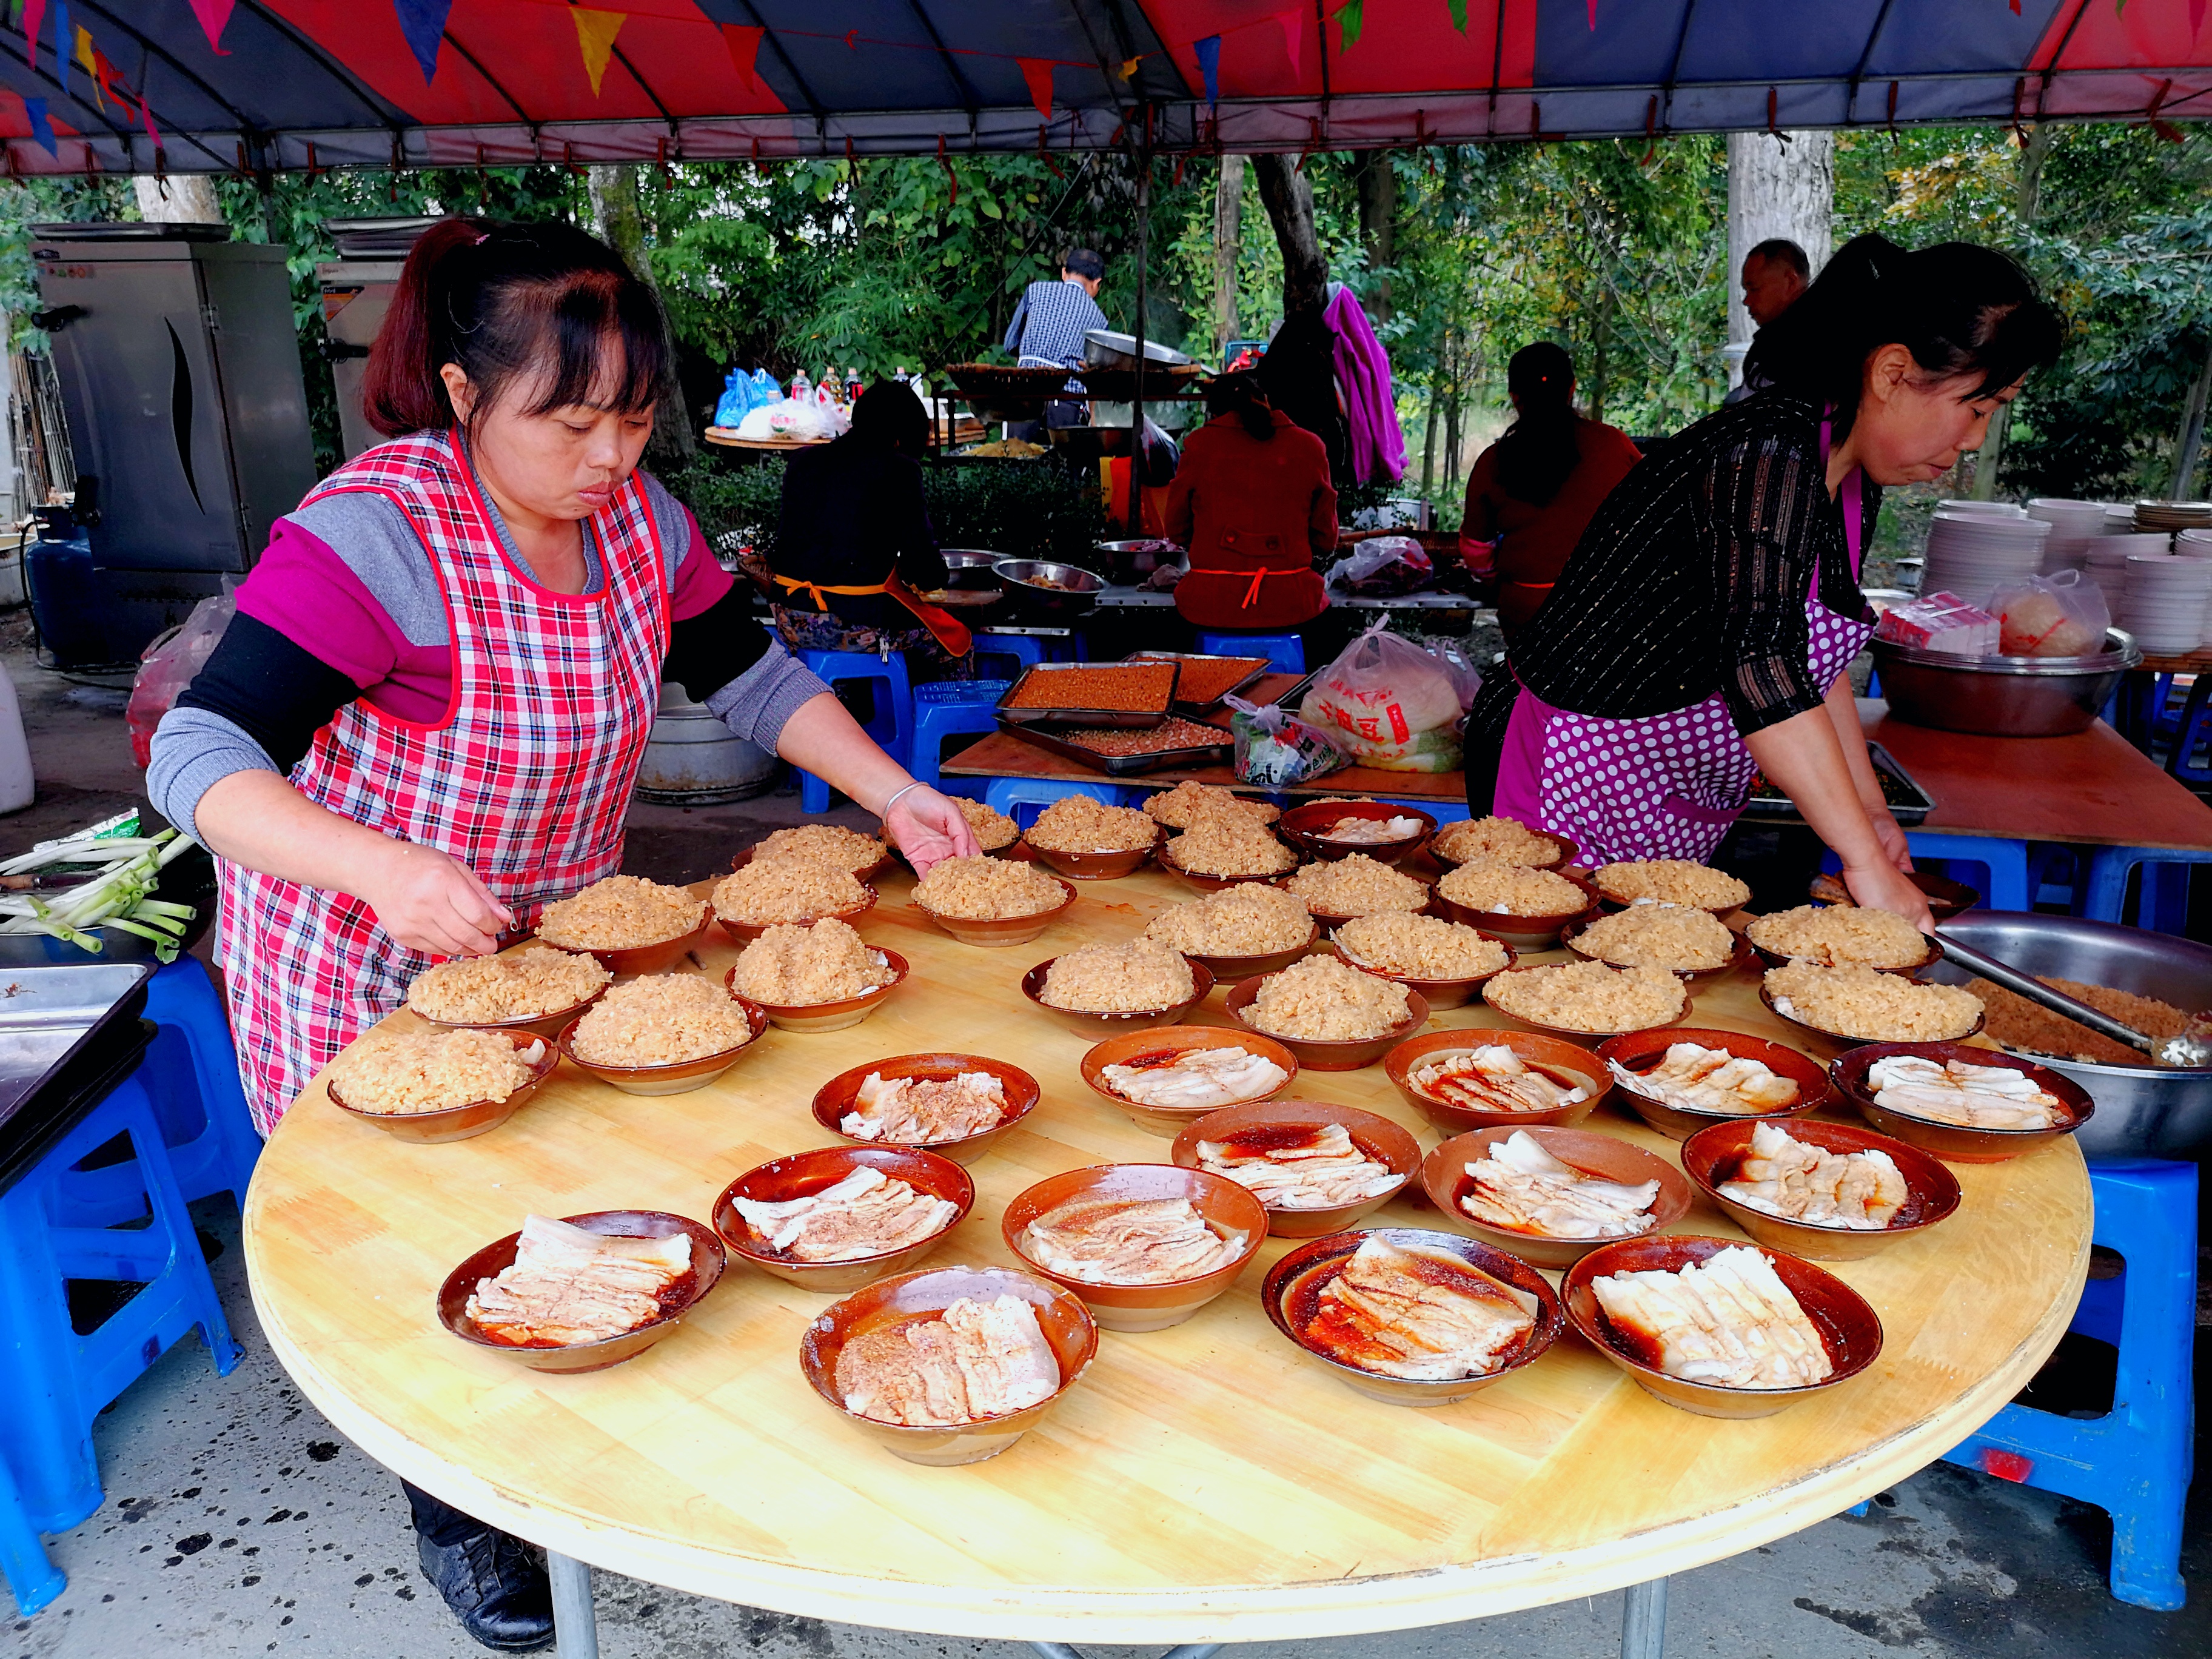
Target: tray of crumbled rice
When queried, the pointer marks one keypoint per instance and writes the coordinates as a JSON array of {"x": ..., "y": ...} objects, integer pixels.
[
  {"x": 988, "y": 901},
  {"x": 1220, "y": 849},
  {"x": 440, "y": 1085},
  {"x": 1322, "y": 1000},
  {"x": 826, "y": 843},
  {"x": 748, "y": 901},
  {"x": 1671, "y": 881},
  {"x": 1236, "y": 924},
  {"x": 1181, "y": 807},
  {"x": 1686, "y": 941},
  {"x": 1501, "y": 838},
  {"x": 1833, "y": 934},
  {"x": 1086, "y": 840},
  {"x": 1100, "y": 989},
  {"x": 1355, "y": 886},
  {"x": 677, "y": 1030},
  {"x": 1853, "y": 1003},
  {"x": 621, "y": 917},
  {"x": 995, "y": 830},
  {"x": 535, "y": 987},
  {"x": 1446, "y": 960},
  {"x": 1588, "y": 998}
]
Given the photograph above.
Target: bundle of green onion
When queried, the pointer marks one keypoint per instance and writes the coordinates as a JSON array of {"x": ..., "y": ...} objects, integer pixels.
[{"x": 122, "y": 873}]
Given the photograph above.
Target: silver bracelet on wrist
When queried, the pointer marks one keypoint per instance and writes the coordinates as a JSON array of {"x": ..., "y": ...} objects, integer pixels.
[{"x": 894, "y": 800}]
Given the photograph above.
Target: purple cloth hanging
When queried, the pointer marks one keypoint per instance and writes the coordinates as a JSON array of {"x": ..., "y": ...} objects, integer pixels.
[{"x": 1370, "y": 402}]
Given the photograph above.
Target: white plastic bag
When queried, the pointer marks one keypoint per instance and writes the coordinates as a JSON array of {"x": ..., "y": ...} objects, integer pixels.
[
  {"x": 2061, "y": 615},
  {"x": 1394, "y": 704},
  {"x": 1274, "y": 747},
  {"x": 169, "y": 664}
]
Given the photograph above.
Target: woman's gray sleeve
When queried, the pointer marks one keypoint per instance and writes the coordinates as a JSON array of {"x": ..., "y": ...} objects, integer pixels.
[
  {"x": 193, "y": 749},
  {"x": 756, "y": 704}
]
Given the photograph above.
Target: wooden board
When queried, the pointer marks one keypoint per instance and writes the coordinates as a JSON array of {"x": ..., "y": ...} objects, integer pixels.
[{"x": 1203, "y": 1483}]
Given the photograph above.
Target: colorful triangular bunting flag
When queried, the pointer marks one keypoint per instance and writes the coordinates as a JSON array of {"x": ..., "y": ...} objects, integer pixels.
[
  {"x": 1457, "y": 8},
  {"x": 1037, "y": 71},
  {"x": 1293, "y": 25},
  {"x": 1209, "y": 65},
  {"x": 63, "y": 39},
  {"x": 423, "y": 23},
  {"x": 34, "y": 13},
  {"x": 83, "y": 57},
  {"x": 215, "y": 16},
  {"x": 41, "y": 128},
  {"x": 743, "y": 42},
  {"x": 1349, "y": 17},
  {"x": 595, "y": 38}
]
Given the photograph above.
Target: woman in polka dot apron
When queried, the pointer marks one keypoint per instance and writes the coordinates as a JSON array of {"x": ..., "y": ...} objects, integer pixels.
[{"x": 1703, "y": 630}]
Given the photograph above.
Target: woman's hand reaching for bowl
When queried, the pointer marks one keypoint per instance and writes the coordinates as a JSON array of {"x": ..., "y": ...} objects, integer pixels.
[
  {"x": 1885, "y": 887},
  {"x": 928, "y": 828}
]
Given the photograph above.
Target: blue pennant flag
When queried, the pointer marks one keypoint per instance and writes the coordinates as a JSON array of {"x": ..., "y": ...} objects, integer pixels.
[
  {"x": 423, "y": 23},
  {"x": 42, "y": 129},
  {"x": 63, "y": 46},
  {"x": 1209, "y": 65}
]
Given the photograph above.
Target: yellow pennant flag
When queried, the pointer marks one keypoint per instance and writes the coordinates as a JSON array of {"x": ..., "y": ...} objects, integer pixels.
[
  {"x": 91, "y": 64},
  {"x": 595, "y": 36}
]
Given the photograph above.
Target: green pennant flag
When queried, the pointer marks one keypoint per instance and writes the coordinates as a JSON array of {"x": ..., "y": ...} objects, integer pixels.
[
  {"x": 1349, "y": 19},
  {"x": 1458, "y": 10}
]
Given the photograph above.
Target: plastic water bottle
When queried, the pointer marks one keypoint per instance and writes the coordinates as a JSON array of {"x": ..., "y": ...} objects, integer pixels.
[{"x": 802, "y": 389}]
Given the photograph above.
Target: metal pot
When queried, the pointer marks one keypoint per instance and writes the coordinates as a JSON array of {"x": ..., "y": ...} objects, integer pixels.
[
  {"x": 1074, "y": 591},
  {"x": 692, "y": 759},
  {"x": 2002, "y": 696},
  {"x": 1103, "y": 348},
  {"x": 2143, "y": 1111},
  {"x": 1131, "y": 562},
  {"x": 969, "y": 567}
]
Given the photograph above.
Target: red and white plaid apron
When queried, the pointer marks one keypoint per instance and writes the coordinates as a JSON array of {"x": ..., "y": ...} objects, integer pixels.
[{"x": 524, "y": 780}]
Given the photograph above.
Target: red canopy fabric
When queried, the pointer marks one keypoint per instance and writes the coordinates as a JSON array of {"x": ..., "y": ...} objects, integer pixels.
[{"x": 218, "y": 84}]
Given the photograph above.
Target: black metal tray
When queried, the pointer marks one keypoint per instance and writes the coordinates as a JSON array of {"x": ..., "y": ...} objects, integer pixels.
[
  {"x": 1126, "y": 719},
  {"x": 58, "y": 1038},
  {"x": 1122, "y": 766},
  {"x": 1909, "y": 803},
  {"x": 1201, "y": 709}
]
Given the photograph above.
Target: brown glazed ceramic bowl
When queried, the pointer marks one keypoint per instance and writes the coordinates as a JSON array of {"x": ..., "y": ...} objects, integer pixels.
[
  {"x": 1068, "y": 1329},
  {"x": 1562, "y": 1060},
  {"x": 1211, "y": 884},
  {"x": 1567, "y": 852},
  {"x": 655, "y": 958},
  {"x": 1613, "y": 901},
  {"x": 832, "y": 1016},
  {"x": 802, "y": 1174},
  {"x": 1568, "y": 1033},
  {"x": 1848, "y": 1328},
  {"x": 1933, "y": 955},
  {"x": 1174, "y": 1039},
  {"x": 864, "y": 877},
  {"x": 1097, "y": 866},
  {"x": 1438, "y": 993},
  {"x": 708, "y": 1260},
  {"x": 1521, "y": 933},
  {"x": 1946, "y": 897},
  {"x": 460, "y": 1122},
  {"x": 1444, "y": 1178},
  {"x": 1739, "y": 956},
  {"x": 1330, "y": 1055},
  {"x": 744, "y": 933},
  {"x": 1227, "y": 970},
  {"x": 1302, "y": 825},
  {"x": 1306, "y": 1269},
  {"x": 1714, "y": 1157},
  {"x": 1227, "y": 1207},
  {"x": 679, "y": 1077},
  {"x": 1376, "y": 1136},
  {"x": 1332, "y": 920},
  {"x": 1085, "y": 1023},
  {"x": 834, "y": 1098},
  {"x": 1955, "y": 1142},
  {"x": 993, "y": 931},
  {"x": 1831, "y": 1044},
  {"x": 544, "y": 1026},
  {"x": 1640, "y": 1051}
]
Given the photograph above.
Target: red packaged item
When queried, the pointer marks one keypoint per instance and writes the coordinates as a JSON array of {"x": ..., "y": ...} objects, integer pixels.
[{"x": 1941, "y": 622}]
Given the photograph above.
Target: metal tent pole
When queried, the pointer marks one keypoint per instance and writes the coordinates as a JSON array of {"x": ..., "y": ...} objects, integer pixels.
[{"x": 1137, "y": 394}]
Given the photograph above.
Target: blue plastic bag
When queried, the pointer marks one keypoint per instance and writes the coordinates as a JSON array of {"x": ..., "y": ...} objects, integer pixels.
[{"x": 736, "y": 399}]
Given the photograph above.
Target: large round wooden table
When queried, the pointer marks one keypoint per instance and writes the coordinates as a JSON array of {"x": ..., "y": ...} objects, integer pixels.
[{"x": 1205, "y": 1483}]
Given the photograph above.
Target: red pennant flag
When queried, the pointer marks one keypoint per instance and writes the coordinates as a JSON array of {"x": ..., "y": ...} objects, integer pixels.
[
  {"x": 743, "y": 42},
  {"x": 145, "y": 114},
  {"x": 214, "y": 16},
  {"x": 1293, "y": 25},
  {"x": 34, "y": 13},
  {"x": 595, "y": 38},
  {"x": 1593, "y": 16},
  {"x": 1037, "y": 71}
]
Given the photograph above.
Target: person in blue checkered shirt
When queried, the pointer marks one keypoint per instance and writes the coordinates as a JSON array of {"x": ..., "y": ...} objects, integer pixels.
[{"x": 1050, "y": 322}]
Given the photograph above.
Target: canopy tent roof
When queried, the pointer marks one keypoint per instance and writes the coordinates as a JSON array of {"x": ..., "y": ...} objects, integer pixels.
[{"x": 206, "y": 85}]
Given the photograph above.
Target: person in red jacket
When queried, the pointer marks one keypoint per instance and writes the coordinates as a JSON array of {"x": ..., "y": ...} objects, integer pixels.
[
  {"x": 1532, "y": 493},
  {"x": 1253, "y": 502}
]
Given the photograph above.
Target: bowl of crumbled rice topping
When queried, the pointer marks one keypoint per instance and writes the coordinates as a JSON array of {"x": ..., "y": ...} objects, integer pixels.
[
  {"x": 536, "y": 988},
  {"x": 632, "y": 926},
  {"x": 1086, "y": 840},
  {"x": 1447, "y": 962},
  {"x": 1852, "y": 1004},
  {"x": 1222, "y": 850},
  {"x": 794, "y": 889},
  {"x": 1501, "y": 838},
  {"x": 992, "y": 901},
  {"x": 1523, "y": 906},
  {"x": 1587, "y": 1001},
  {"x": 430, "y": 1086},
  {"x": 1671, "y": 881},
  {"x": 1832, "y": 935},
  {"x": 1248, "y": 927},
  {"x": 866, "y": 856},
  {"x": 665, "y": 1034},
  {"x": 822, "y": 978},
  {"x": 1695, "y": 945},
  {"x": 1099, "y": 990},
  {"x": 1382, "y": 831},
  {"x": 1355, "y": 886},
  {"x": 1183, "y": 806},
  {"x": 1333, "y": 1017},
  {"x": 994, "y": 831}
]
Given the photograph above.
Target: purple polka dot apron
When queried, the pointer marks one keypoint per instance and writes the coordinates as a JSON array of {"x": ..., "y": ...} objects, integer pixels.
[{"x": 1664, "y": 786}]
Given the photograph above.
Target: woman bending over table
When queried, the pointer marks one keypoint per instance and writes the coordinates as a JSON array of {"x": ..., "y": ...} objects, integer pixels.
[
  {"x": 1703, "y": 630},
  {"x": 425, "y": 719}
]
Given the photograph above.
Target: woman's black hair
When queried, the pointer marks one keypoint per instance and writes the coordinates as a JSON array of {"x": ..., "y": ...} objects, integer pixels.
[
  {"x": 1240, "y": 395},
  {"x": 890, "y": 415},
  {"x": 1964, "y": 312},
  {"x": 1539, "y": 450},
  {"x": 508, "y": 303}
]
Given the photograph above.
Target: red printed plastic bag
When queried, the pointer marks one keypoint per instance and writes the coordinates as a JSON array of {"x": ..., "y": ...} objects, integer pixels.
[
  {"x": 1394, "y": 704},
  {"x": 2061, "y": 615},
  {"x": 167, "y": 666}
]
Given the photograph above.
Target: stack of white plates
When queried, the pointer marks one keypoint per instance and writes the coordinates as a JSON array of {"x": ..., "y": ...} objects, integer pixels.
[
  {"x": 2119, "y": 518},
  {"x": 2104, "y": 562},
  {"x": 2194, "y": 544},
  {"x": 2164, "y": 602},
  {"x": 1960, "y": 506},
  {"x": 2071, "y": 521},
  {"x": 2172, "y": 515},
  {"x": 1974, "y": 554}
]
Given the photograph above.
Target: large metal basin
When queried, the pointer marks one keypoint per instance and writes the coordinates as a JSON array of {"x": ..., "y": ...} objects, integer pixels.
[
  {"x": 2143, "y": 1111},
  {"x": 2002, "y": 696}
]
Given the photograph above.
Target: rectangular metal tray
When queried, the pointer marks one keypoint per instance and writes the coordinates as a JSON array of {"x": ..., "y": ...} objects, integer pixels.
[
  {"x": 1911, "y": 811},
  {"x": 1124, "y": 719},
  {"x": 1201, "y": 709},
  {"x": 50, "y": 1018},
  {"x": 1123, "y": 766}
]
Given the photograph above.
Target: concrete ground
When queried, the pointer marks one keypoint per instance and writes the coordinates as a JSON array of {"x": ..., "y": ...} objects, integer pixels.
[{"x": 240, "y": 1522}]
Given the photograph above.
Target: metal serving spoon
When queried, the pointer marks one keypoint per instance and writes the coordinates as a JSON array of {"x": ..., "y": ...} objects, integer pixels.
[{"x": 2192, "y": 1050}]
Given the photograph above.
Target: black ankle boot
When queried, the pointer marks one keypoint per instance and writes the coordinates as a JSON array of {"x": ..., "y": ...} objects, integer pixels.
[{"x": 493, "y": 1582}]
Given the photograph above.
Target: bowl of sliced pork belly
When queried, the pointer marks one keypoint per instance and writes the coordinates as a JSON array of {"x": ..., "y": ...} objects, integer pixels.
[
  {"x": 1317, "y": 1166},
  {"x": 835, "y": 1219},
  {"x": 1829, "y": 1191},
  {"x": 1476, "y": 1077},
  {"x": 1966, "y": 1104},
  {"x": 1552, "y": 1196},
  {"x": 1681, "y": 1077},
  {"x": 1145, "y": 1245}
]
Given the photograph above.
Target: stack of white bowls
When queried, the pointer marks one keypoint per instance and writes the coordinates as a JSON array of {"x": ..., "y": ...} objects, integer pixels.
[
  {"x": 1973, "y": 550},
  {"x": 2119, "y": 518},
  {"x": 2164, "y": 602},
  {"x": 2073, "y": 525},
  {"x": 2194, "y": 544},
  {"x": 2104, "y": 562}
]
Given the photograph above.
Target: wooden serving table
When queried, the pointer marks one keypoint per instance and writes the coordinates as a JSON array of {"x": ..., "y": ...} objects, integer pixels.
[{"x": 1203, "y": 1484}]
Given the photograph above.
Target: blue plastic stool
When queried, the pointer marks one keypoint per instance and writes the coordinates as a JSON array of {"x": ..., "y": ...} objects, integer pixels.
[
  {"x": 1443, "y": 811},
  {"x": 1022, "y": 650},
  {"x": 2102, "y": 894},
  {"x": 949, "y": 708},
  {"x": 1023, "y": 799},
  {"x": 2006, "y": 886},
  {"x": 23, "y": 1559},
  {"x": 2134, "y": 1463},
  {"x": 55, "y": 1382},
  {"x": 1285, "y": 652},
  {"x": 892, "y": 724}
]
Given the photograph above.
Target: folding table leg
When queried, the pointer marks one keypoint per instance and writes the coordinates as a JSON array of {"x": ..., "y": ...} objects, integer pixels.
[
  {"x": 575, "y": 1628},
  {"x": 1644, "y": 1621}
]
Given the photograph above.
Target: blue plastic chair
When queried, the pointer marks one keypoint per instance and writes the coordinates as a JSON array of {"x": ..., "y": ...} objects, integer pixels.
[
  {"x": 1443, "y": 811},
  {"x": 891, "y": 725},
  {"x": 55, "y": 1382},
  {"x": 2006, "y": 886},
  {"x": 1285, "y": 652},
  {"x": 949, "y": 708},
  {"x": 1023, "y": 799},
  {"x": 2102, "y": 894},
  {"x": 2134, "y": 1463},
  {"x": 30, "y": 1574},
  {"x": 1022, "y": 650}
]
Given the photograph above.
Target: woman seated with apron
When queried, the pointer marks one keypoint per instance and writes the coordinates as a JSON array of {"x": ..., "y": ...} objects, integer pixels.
[{"x": 1702, "y": 632}]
